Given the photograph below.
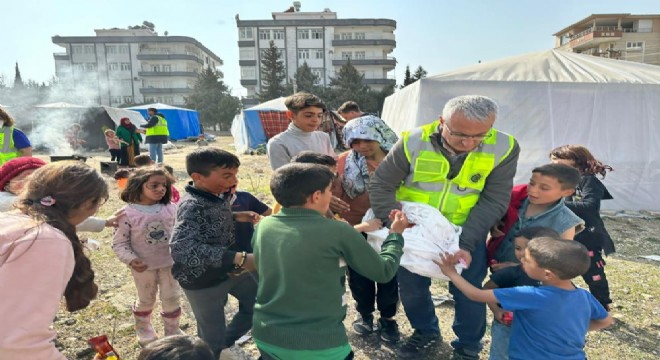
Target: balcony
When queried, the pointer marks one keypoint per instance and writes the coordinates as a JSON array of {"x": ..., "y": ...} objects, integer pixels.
[
  {"x": 384, "y": 81},
  {"x": 152, "y": 55},
  {"x": 61, "y": 56},
  {"x": 152, "y": 90},
  {"x": 387, "y": 62},
  {"x": 247, "y": 62},
  {"x": 365, "y": 42},
  {"x": 168, "y": 73},
  {"x": 249, "y": 82},
  {"x": 596, "y": 35}
]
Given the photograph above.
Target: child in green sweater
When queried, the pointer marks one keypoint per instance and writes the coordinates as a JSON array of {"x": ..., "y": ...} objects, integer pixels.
[{"x": 301, "y": 257}]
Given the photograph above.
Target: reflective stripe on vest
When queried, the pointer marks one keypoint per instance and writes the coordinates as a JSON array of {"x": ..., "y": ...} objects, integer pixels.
[
  {"x": 427, "y": 180},
  {"x": 159, "y": 129},
  {"x": 7, "y": 149}
]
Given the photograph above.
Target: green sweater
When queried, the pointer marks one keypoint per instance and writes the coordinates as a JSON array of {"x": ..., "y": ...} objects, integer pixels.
[{"x": 301, "y": 298}]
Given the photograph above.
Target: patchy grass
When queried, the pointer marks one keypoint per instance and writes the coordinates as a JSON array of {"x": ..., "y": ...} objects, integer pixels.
[{"x": 635, "y": 285}]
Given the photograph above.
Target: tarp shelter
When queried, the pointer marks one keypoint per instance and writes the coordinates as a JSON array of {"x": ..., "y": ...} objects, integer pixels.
[
  {"x": 182, "y": 123},
  {"x": 553, "y": 98},
  {"x": 254, "y": 126}
]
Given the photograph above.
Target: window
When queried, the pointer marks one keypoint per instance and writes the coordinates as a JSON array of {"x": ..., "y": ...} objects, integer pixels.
[
  {"x": 155, "y": 68},
  {"x": 360, "y": 55},
  {"x": 77, "y": 49},
  {"x": 278, "y": 34},
  {"x": 127, "y": 83},
  {"x": 123, "y": 49},
  {"x": 246, "y": 54},
  {"x": 111, "y": 49},
  {"x": 128, "y": 99},
  {"x": 345, "y": 55},
  {"x": 360, "y": 36},
  {"x": 90, "y": 67},
  {"x": 280, "y": 53},
  {"x": 264, "y": 34},
  {"x": 319, "y": 73},
  {"x": 113, "y": 67},
  {"x": 79, "y": 67},
  {"x": 317, "y": 33},
  {"x": 245, "y": 33},
  {"x": 116, "y": 99},
  {"x": 303, "y": 54},
  {"x": 303, "y": 34},
  {"x": 317, "y": 54},
  {"x": 167, "y": 68},
  {"x": 88, "y": 49},
  {"x": 125, "y": 66},
  {"x": 634, "y": 45},
  {"x": 347, "y": 36},
  {"x": 168, "y": 99},
  {"x": 248, "y": 72}
]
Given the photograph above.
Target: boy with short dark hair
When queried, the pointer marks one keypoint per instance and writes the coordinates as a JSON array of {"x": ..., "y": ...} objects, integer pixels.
[
  {"x": 542, "y": 205},
  {"x": 143, "y": 160},
  {"x": 306, "y": 116},
  {"x": 204, "y": 263},
  {"x": 552, "y": 320},
  {"x": 512, "y": 276},
  {"x": 301, "y": 300}
]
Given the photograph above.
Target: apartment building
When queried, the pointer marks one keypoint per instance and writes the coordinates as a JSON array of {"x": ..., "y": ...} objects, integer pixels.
[
  {"x": 617, "y": 36},
  {"x": 122, "y": 66},
  {"x": 321, "y": 40}
]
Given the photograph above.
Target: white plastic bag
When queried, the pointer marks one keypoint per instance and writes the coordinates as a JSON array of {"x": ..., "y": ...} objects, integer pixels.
[{"x": 431, "y": 235}]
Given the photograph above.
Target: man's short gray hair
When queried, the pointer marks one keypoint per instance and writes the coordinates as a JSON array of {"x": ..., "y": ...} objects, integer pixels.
[{"x": 475, "y": 107}]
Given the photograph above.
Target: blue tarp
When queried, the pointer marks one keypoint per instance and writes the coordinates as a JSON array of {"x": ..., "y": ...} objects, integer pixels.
[
  {"x": 247, "y": 130},
  {"x": 181, "y": 123}
]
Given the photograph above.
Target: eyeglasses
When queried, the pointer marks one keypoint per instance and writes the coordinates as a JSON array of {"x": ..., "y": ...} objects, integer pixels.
[
  {"x": 155, "y": 186},
  {"x": 467, "y": 137}
]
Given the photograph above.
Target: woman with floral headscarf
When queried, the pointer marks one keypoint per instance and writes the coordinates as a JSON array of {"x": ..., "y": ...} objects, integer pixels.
[
  {"x": 130, "y": 145},
  {"x": 369, "y": 140}
]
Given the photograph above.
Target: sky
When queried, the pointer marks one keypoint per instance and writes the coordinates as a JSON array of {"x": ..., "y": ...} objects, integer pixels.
[{"x": 439, "y": 35}]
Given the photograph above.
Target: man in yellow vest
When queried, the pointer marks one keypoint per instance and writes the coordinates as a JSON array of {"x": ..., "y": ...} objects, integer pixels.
[
  {"x": 156, "y": 134},
  {"x": 13, "y": 142},
  {"x": 464, "y": 167}
]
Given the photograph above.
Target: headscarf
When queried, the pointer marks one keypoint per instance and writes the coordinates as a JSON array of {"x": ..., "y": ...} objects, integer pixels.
[
  {"x": 125, "y": 123},
  {"x": 356, "y": 173}
]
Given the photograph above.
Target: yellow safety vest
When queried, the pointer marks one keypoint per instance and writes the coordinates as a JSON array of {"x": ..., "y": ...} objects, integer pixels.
[
  {"x": 7, "y": 149},
  {"x": 160, "y": 128},
  {"x": 427, "y": 180}
]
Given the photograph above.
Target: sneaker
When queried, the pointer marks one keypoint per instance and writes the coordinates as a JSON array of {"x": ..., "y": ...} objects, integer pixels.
[
  {"x": 459, "y": 354},
  {"x": 364, "y": 325},
  {"x": 389, "y": 330},
  {"x": 418, "y": 345}
]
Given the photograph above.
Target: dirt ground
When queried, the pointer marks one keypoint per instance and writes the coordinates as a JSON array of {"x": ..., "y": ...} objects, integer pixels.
[{"x": 634, "y": 283}]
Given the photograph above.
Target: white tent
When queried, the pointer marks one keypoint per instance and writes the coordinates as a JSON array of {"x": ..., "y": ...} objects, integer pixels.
[
  {"x": 552, "y": 98},
  {"x": 247, "y": 128}
]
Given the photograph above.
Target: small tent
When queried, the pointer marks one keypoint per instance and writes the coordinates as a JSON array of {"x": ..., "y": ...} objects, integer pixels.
[
  {"x": 553, "y": 98},
  {"x": 253, "y": 127},
  {"x": 182, "y": 123}
]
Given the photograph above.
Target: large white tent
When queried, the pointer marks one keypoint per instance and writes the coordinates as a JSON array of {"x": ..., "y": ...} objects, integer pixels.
[{"x": 552, "y": 98}]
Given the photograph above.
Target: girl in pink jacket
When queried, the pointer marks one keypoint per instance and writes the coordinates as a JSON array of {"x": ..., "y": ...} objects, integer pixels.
[{"x": 142, "y": 242}]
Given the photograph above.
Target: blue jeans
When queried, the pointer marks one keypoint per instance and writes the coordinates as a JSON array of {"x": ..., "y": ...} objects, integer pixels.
[
  {"x": 156, "y": 152},
  {"x": 499, "y": 346},
  {"x": 469, "y": 316},
  {"x": 208, "y": 306}
]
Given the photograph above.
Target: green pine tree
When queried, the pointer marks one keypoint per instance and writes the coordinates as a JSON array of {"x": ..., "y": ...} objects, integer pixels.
[
  {"x": 305, "y": 79},
  {"x": 407, "y": 79},
  {"x": 349, "y": 85},
  {"x": 273, "y": 75},
  {"x": 420, "y": 73},
  {"x": 213, "y": 100}
]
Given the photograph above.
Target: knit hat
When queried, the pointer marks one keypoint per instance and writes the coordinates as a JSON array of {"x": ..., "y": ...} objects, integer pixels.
[{"x": 14, "y": 167}]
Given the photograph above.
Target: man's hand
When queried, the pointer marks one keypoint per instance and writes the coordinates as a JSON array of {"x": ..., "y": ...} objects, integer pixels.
[
  {"x": 338, "y": 205},
  {"x": 500, "y": 266},
  {"x": 399, "y": 221},
  {"x": 446, "y": 264},
  {"x": 113, "y": 220},
  {"x": 138, "y": 265},
  {"x": 464, "y": 257},
  {"x": 247, "y": 216}
]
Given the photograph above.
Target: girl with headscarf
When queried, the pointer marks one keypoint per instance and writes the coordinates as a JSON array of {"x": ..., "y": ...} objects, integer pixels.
[
  {"x": 130, "y": 145},
  {"x": 369, "y": 139}
]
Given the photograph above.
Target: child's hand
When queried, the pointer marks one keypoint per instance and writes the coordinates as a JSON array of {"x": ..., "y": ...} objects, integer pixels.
[
  {"x": 113, "y": 220},
  {"x": 247, "y": 216},
  {"x": 399, "y": 221},
  {"x": 446, "y": 264},
  {"x": 368, "y": 226},
  {"x": 138, "y": 265},
  {"x": 338, "y": 205},
  {"x": 498, "y": 313},
  {"x": 495, "y": 231}
]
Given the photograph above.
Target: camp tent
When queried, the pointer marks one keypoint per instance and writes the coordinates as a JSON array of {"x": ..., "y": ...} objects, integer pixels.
[
  {"x": 254, "y": 126},
  {"x": 552, "y": 98},
  {"x": 181, "y": 123}
]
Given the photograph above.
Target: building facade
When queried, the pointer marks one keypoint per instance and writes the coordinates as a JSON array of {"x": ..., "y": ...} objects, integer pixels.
[
  {"x": 125, "y": 66},
  {"x": 617, "y": 36},
  {"x": 321, "y": 40}
]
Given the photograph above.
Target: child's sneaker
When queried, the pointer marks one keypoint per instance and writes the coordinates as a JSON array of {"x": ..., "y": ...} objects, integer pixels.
[
  {"x": 389, "y": 330},
  {"x": 364, "y": 325}
]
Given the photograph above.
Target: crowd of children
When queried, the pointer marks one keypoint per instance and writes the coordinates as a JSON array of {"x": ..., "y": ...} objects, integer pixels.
[{"x": 289, "y": 272}]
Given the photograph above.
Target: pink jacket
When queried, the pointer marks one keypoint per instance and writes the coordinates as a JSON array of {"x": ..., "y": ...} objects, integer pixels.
[
  {"x": 145, "y": 236},
  {"x": 35, "y": 267}
]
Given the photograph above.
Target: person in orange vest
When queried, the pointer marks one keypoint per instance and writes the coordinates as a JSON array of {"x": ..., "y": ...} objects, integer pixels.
[
  {"x": 157, "y": 134},
  {"x": 13, "y": 142}
]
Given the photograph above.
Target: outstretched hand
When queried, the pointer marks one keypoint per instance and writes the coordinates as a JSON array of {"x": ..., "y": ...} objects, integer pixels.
[
  {"x": 247, "y": 216},
  {"x": 447, "y": 263},
  {"x": 399, "y": 221}
]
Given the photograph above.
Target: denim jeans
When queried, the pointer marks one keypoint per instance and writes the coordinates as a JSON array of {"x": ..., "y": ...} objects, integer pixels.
[
  {"x": 156, "y": 152},
  {"x": 499, "y": 346},
  {"x": 469, "y": 316},
  {"x": 208, "y": 305}
]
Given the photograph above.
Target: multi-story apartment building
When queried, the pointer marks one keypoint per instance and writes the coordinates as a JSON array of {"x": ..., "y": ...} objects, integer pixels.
[
  {"x": 122, "y": 66},
  {"x": 617, "y": 36},
  {"x": 320, "y": 39}
]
